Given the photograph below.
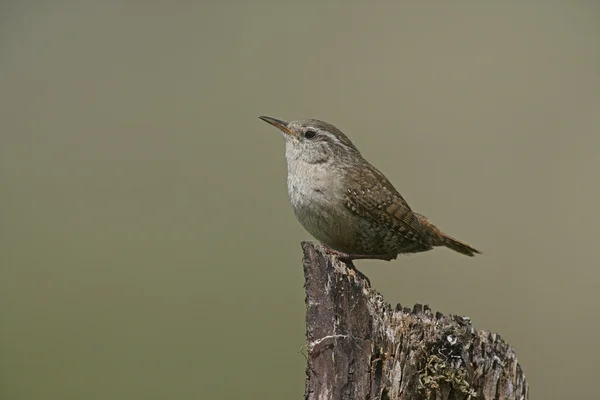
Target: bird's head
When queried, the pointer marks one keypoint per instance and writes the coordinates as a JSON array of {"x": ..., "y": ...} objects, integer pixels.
[{"x": 313, "y": 141}]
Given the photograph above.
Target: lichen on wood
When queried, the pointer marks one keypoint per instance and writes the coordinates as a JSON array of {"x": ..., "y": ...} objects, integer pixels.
[{"x": 359, "y": 347}]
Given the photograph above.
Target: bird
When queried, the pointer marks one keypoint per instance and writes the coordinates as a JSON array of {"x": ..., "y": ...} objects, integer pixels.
[{"x": 346, "y": 203}]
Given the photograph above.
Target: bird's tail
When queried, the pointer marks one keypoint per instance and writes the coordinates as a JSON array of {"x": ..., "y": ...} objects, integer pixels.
[
  {"x": 458, "y": 246},
  {"x": 442, "y": 239}
]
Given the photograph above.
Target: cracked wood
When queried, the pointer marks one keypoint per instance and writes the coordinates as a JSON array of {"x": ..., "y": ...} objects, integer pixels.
[{"x": 359, "y": 347}]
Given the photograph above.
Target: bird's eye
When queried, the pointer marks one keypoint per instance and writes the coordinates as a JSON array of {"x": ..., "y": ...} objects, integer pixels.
[{"x": 310, "y": 134}]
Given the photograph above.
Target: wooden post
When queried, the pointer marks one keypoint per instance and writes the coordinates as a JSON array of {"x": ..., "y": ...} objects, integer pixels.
[{"x": 359, "y": 347}]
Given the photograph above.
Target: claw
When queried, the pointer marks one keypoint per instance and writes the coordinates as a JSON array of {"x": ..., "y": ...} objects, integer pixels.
[{"x": 349, "y": 257}]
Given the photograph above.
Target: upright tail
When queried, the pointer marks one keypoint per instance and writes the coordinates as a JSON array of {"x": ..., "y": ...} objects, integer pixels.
[{"x": 442, "y": 239}]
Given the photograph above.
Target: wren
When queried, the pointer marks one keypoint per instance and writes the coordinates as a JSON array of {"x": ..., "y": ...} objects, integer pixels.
[{"x": 346, "y": 203}]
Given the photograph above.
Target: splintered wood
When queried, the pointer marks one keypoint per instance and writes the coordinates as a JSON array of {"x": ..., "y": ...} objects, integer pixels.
[{"x": 359, "y": 347}]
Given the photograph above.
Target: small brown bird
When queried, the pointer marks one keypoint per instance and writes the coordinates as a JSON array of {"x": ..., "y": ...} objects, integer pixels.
[{"x": 346, "y": 203}]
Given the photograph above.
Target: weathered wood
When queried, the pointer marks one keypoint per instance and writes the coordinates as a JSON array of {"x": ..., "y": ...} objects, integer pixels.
[{"x": 361, "y": 348}]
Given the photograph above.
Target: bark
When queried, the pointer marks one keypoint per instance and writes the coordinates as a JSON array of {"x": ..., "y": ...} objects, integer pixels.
[{"x": 359, "y": 347}]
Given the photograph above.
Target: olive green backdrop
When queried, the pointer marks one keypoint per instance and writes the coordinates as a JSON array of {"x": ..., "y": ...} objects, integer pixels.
[{"x": 148, "y": 250}]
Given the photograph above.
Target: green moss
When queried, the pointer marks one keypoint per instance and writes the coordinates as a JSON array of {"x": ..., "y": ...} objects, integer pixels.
[{"x": 444, "y": 369}]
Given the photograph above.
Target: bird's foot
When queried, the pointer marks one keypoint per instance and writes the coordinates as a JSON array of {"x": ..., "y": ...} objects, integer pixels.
[{"x": 349, "y": 257}]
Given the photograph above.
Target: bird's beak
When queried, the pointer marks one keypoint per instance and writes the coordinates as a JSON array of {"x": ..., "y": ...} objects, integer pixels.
[{"x": 281, "y": 125}]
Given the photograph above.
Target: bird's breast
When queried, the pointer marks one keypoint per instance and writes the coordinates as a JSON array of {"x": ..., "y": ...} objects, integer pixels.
[
  {"x": 311, "y": 185},
  {"x": 305, "y": 190},
  {"x": 315, "y": 195}
]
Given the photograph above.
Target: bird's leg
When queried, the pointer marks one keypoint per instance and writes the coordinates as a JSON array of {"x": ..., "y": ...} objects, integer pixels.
[
  {"x": 349, "y": 257},
  {"x": 384, "y": 257}
]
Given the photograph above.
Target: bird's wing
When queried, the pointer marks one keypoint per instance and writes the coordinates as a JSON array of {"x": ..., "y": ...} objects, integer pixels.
[{"x": 371, "y": 195}]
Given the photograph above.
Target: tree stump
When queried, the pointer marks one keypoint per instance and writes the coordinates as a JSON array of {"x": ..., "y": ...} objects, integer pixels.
[{"x": 359, "y": 347}]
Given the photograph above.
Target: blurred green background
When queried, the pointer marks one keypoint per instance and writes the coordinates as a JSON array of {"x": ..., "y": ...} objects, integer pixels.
[{"x": 147, "y": 246}]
